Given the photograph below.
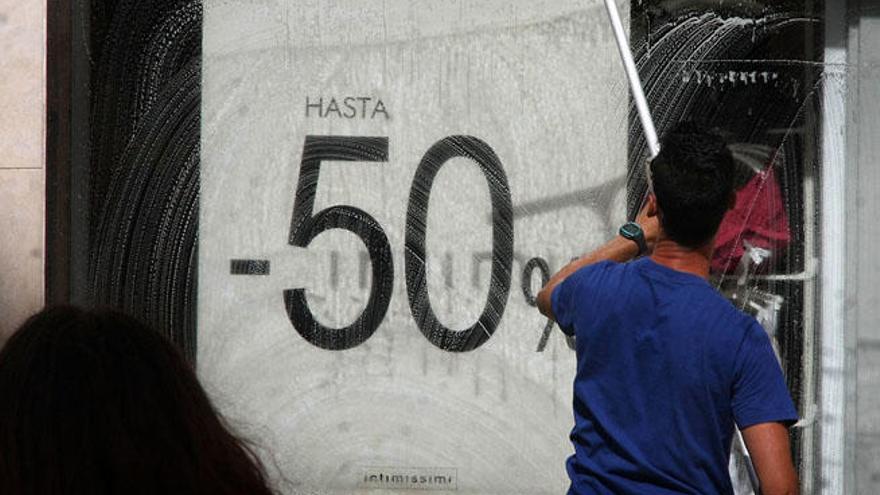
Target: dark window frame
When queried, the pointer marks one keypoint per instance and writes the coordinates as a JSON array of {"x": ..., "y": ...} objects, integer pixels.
[{"x": 59, "y": 127}]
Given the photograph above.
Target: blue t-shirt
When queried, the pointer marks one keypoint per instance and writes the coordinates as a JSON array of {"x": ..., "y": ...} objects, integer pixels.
[{"x": 665, "y": 367}]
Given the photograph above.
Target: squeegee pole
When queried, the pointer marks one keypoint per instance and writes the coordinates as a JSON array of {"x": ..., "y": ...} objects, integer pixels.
[{"x": 635, "y": 83}]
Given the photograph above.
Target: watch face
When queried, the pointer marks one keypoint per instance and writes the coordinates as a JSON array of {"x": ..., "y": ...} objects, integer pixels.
[{"x": 630, "y": 230}]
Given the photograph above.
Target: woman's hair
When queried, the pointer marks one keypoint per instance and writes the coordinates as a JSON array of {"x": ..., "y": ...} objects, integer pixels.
[{"x": 95, "y": 402}]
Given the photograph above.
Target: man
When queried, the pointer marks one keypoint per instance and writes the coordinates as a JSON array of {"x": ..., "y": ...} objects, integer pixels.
[{"x": 665, "y": 365}]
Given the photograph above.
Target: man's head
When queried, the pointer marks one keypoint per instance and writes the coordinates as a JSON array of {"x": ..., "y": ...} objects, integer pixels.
[{"x": 693, "y": 184}]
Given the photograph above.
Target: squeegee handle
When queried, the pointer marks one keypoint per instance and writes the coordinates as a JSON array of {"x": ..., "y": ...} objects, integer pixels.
[{"x": 635, "y": 83}]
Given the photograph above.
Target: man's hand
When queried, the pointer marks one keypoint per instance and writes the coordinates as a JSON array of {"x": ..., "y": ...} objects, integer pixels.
[
  {"x": 771, "y": 455},
  {"x": 649, "y": 220}
]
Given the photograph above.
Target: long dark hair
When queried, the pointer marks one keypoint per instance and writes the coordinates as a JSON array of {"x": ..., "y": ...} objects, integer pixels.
[{"x": 95, "y": 402}]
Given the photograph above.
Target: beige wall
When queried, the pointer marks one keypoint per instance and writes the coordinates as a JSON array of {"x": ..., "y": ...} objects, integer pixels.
[{"x": 22, "y": 159}]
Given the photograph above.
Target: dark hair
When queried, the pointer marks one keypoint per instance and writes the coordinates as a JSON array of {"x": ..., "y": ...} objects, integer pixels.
[
  {"x": 95, "y": 402},
  {"x": 693, "y": 182}
]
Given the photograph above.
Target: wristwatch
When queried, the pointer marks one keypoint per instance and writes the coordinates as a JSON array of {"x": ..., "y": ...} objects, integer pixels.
[{"x": 634, "y": 232}]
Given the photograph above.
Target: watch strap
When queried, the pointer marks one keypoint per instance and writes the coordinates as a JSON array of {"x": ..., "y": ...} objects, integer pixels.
[{"x": 634, "y": 232}]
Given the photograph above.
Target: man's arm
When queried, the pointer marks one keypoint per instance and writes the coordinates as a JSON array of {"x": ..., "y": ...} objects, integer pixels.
[
  {"x": 771, "y": 455},
  {"x": 618, "y": 249}
]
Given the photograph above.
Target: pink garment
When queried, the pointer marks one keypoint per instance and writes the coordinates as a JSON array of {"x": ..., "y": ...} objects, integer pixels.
[{"x": 758, "y": 217}]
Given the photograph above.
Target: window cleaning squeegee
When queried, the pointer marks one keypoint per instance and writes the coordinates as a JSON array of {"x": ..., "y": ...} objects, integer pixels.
[{"x": 638, "y": 93}]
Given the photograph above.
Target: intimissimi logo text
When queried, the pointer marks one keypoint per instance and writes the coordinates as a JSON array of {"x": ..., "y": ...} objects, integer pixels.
[
  {"x": 346, "y": 107},
  {"x": 409, "y": 478}
]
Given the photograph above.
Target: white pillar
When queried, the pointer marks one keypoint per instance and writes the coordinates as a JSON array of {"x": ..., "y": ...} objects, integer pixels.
[{"x": 833, "y": 249}]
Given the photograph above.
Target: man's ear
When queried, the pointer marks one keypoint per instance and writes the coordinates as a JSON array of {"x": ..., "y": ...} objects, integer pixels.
[{"x": 651, "y": 209}]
